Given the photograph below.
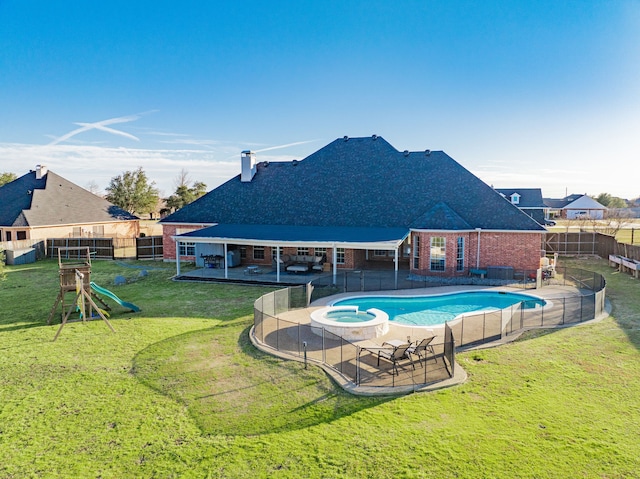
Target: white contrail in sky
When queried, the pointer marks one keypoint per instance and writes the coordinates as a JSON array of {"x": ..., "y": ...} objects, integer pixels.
[
  {"x": 99, "y": 125},
  {"x": 285, "y": 146}
]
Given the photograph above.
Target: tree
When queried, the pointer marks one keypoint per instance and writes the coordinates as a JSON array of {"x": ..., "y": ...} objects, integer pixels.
[
  {"x": 133, "y": 192},
  {"x": 605, "y": 199},
  {"x": 7, "y": 178},
  {"x": 184, "y": 194}
]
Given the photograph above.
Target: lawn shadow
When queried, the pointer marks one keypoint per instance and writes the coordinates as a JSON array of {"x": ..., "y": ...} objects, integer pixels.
[{"x": 232, "y": 388}]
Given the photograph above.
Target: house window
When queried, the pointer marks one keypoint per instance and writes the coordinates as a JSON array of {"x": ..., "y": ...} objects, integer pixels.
[
  {"x": 437, "y": 253},
  {"x": 98, "y": 230},
  {"x": 21, "y": 235},
  {"x": 274, "y": 253},
  {"x": 320, "y": 252},
  {"x": 515, "y": 199},
  {"x": 243, "y": 252},
  {"x": 258, "y": 252},
  {"x": 460, "y": 254},
  {"x": 303, "y": 251},
  {"x": 379, "y": 252},
  {"x": 339, "y": 255},
  {"x": 416, "y": 252},
  {"x": 77, "y": 232},
  {"x": 187, "y": 249},
  {"x": 8, "y": 235}
]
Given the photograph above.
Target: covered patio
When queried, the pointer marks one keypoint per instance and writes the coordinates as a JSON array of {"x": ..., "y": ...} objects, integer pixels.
[{"x": 224, "y": 241}]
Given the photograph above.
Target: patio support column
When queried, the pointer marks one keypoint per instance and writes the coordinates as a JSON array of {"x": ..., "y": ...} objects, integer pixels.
[
  {"x": 177, "y": 257},
  {"x": 226, "y": 266},
  {"x": 335, "y": 265},
  {"x": 395, "y": 260}
]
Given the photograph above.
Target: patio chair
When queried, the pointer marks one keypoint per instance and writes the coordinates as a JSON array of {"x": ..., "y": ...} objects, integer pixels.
[
  {"x": 422, "y": 348},
  {"x": 395, "y": 355}
]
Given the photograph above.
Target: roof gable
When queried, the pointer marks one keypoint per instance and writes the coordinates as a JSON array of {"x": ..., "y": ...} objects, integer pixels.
[
  {"x": 440, "y": 217},
  {"x": 585, "y": 202},
  {"x": 528, "y": 197}
]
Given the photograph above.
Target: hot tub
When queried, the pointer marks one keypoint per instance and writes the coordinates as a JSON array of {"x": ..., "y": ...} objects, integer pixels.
[{"x": 350, "y": 323}]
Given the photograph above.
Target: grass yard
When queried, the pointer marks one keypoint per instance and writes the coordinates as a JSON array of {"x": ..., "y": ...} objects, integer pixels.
[{"x": 179, "y": 391}]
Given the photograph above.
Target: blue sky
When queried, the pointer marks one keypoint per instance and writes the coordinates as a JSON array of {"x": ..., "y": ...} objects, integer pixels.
[{"x": 523, "y": 94}]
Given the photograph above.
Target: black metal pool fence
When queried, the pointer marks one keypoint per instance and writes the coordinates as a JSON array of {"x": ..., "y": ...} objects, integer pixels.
[{"x": 582, "y": 300}]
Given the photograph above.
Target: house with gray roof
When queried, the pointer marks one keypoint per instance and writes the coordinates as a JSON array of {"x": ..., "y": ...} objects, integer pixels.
[
  {"x": 529, "y": 200},
  {"x": 42, "y": 204},
  {"x": 356, "y": 202},
  {"x": 576, "y": 206}
]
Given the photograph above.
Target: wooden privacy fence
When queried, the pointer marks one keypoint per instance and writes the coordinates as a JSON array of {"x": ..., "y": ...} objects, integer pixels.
[
  {"x": 100, "y": 248},
  {"x": 149, "y": 247},
  {"x": 589, "y": 243},
  {"x": 574, "y": 243}
]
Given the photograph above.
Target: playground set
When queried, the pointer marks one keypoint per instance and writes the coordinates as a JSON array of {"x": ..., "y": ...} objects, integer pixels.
[{"x": 75, "y": 277}]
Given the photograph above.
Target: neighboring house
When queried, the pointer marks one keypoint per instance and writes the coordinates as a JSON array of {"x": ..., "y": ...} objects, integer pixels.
[
  {"x": 42, "y": 204},
  {"x": 529, "y": 200},
  {"x": 358, "y": 201},
  {"x": 575, "y": 207}
]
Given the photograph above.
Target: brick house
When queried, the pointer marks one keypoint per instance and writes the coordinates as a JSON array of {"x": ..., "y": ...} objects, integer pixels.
[
  {"x": 42, "y": 205},
  {"x": 360, "y": 203}
]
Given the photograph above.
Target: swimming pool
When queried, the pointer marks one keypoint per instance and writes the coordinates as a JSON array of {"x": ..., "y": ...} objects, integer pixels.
[{"x": 438, "y": 309}]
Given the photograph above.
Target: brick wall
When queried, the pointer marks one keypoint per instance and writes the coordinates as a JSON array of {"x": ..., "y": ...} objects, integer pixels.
[
  {"x": 519, "y": 250},
  {"x": 169, "y": 246}
]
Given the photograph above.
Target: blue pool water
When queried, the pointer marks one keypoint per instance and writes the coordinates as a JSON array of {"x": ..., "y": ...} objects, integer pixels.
[
  {"x": 434, "y": 310},
  {"x": 349, "y": 316}
]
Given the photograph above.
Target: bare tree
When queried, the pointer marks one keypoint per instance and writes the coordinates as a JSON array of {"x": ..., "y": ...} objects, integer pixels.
[
  {"x": 93, "y": 187},
  {"x": 182, "y": 179}
]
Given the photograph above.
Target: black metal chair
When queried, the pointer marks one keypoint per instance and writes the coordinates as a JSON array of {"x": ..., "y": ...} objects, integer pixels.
[
  {"x": 422, "y": 350},
  {"x": 395, "y": 355}
]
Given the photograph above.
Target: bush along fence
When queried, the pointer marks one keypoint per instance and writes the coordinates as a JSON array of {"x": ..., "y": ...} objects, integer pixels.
[{"x": 578, "y": 296}]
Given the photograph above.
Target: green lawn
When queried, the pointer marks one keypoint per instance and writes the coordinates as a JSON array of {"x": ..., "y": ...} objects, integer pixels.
[{"x": 179, "y": 391}]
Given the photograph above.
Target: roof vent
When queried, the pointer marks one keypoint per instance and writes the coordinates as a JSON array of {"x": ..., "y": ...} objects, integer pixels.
[
  {"x": 374, "y": 137},
  {"x": 427, "y": 152},
  {"x": 295, "y": 162},
  {"x": 345, "y": 138},
  {"x": 406, "y": 152},
  {"x": 265, "y": 163},
  {"x": 29, "y": 192}
]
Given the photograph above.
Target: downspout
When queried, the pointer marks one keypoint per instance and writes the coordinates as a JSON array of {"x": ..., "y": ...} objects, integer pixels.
[
  {"x": 478, "y": 252},
  {"x": 395, "y": 259}
]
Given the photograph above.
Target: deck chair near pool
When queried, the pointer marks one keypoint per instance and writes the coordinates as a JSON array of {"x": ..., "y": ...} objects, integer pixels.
[
  {"x": 394, "y": 356},
  {"x": 422, "y": 348}
]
